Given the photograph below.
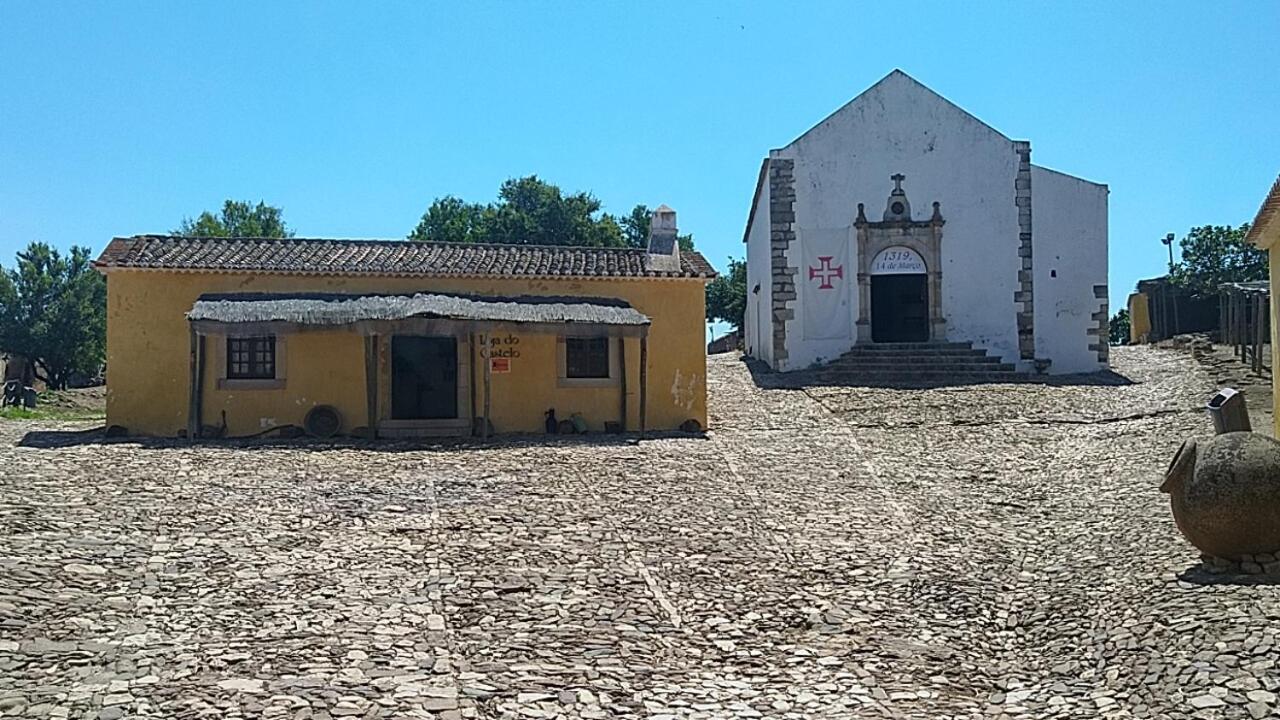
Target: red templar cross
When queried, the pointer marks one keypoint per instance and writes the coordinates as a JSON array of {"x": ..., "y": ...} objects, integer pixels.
[{"x": 825, "y": 273}]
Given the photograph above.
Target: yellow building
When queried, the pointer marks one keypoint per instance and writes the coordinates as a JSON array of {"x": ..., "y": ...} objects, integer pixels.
[
  {"x": 236, "y": 336},
  {"x": 1265, "y": 234}
]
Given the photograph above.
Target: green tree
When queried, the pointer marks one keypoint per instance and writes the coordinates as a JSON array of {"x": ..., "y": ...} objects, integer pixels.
[
  {"x": 449, "y": 219},
  {"x": 53, "y": 311},
  {"x": 1119, "y": 327},
  {"x": 727, "y": 295},
  {"x": 238, "y": 219},
  {"x": 1216, "y": 254},
  {"x": 635, "y": 229},
  {"x": 531, "y": 211}
]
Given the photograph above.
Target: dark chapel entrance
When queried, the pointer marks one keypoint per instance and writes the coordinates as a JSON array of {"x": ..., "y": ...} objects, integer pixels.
[
  {"x": 900, "y": 308},
  {"x": 424, "y": 377}
]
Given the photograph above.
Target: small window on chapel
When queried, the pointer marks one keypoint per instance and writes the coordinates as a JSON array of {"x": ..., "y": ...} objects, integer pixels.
[
  {"x": 251, "y": 358},
  {"x": 586, "y": 357}
]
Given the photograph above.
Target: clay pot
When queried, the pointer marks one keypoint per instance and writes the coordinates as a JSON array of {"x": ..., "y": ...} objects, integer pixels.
[{"x": 1225, "y": 494}]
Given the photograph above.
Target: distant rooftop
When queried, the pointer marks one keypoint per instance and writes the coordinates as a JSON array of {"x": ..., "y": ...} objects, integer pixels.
[{"x": 386, "y": 257}]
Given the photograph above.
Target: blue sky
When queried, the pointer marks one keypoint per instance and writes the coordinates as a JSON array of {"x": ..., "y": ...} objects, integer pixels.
[{"x": 122, "y": 118}]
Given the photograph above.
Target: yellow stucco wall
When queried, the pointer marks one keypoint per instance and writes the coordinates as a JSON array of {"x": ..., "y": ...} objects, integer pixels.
[
  {"x": 1273, "y": 275},
  {"x": 1139, "y": 318},
  {"x": 148, "y": 345}
]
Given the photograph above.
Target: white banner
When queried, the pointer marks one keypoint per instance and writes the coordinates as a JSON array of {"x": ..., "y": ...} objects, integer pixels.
[{"x": 824, "y": 283}]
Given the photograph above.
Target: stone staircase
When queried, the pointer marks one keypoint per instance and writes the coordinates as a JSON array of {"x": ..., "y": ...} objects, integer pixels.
[{"x": 917, "y": 364}]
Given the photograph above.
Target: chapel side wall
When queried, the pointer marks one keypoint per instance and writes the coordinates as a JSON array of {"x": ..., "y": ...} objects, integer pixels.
[
  {"x": 759, "y": 320},
  {"x": 947, "y": 156},
  {"x": 148, "y": 355},
  {"x": 1070, "y": 249}
]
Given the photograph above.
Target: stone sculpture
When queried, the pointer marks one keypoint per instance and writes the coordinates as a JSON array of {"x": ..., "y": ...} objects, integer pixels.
[{"x": 1225, "y": 493}]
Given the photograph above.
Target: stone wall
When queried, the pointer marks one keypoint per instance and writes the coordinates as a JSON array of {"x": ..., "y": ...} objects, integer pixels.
[
  {"x": 1100, "y": 335},
  {"x": 782, "y": 232},
  {"x": 1024, "y": 297}
]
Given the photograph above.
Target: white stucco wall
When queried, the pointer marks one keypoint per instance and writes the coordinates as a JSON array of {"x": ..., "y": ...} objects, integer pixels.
[
  {"x": 757, "y": 324},
  {"x": 1069, "y": 244},
  {"x": 900, "y": 126}
]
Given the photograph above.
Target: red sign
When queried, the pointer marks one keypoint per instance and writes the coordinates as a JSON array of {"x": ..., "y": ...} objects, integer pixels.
[{"x": 500, "y": 365}]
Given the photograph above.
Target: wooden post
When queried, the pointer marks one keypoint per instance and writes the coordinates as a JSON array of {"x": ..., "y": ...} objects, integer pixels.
[
  {"x": 193, "y": 399},
  {"x": 1259, "y": 330},
  {"x": 371, "y": 382},
  {"x": 1222, "y": 316},
  {"x": 488, "y": 372},
  {"x": 471, "y": 372},
  {"x": 622, "y": 361},
  {"x": 644, "y": 382}
]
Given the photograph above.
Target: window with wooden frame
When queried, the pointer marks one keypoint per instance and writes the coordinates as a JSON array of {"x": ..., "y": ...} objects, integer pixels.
[
  {"x": 586, "y": 358},
  {"x": 251, "y": 358}
]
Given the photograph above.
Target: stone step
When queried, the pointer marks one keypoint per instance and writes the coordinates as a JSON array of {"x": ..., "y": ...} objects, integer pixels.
[
  {"x": 897, "y": 346},
  {"x": 861, "y": 359},
  {"x": 879, "y": 379},
  {"x": 994, "y": 365}
]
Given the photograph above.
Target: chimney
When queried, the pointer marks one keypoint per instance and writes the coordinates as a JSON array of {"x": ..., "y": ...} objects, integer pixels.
[{"x": 664, "y": 250}]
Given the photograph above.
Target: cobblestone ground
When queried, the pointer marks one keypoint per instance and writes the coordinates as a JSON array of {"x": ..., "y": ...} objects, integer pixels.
[{"x": 824, "y": 553}]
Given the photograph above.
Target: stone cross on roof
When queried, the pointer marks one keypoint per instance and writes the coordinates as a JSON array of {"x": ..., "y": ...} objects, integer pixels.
[{"x": 897, "y": 179}]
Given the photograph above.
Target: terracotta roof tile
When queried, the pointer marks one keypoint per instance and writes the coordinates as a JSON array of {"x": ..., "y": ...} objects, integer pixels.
[
  {"x": 1268, "y": 214},
  {"x": 385, "y": 257}
]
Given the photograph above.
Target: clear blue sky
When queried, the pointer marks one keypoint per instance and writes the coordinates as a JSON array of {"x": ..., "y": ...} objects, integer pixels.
[{"x": 122, "y": 118}]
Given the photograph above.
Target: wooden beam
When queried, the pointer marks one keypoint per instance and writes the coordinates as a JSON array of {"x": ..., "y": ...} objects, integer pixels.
[
  {"x": 371, "y": 382},
  {"x": 644, "y": 383},
  {"x": 193, "y": 418},
  {"x": 622, "y": 362},
  {"x": 488, "y": 374},
  {"x": 471, "y": 373}
]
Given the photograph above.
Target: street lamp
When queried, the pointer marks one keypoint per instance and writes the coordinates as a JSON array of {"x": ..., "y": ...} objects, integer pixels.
[{"x": 1168, "y": 242}]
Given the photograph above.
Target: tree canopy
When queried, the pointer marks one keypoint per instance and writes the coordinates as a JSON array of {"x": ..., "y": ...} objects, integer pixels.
[
  {"x": 53, "y": 311},
  {"x": 727, "y": 295},
  {"x": 531, "y": 211},
  {"x": 1119, "y": 328},
  {"x": 237, "y": 219},
  {"x": 1216, "y": 254}
]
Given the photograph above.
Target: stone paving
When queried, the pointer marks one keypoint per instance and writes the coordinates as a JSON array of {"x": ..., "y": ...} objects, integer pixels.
[{"x": 985, "y": 551}]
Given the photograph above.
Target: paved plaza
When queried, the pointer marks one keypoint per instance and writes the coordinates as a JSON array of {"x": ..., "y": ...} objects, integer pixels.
[{"x": 824, "y": 552}]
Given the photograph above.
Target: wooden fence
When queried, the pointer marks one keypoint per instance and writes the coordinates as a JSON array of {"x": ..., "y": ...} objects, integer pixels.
[{"x": 1244, "y": 320}]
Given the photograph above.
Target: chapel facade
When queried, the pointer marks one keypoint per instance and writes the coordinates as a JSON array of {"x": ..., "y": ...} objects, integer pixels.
[{"x": 902, "y": 218}]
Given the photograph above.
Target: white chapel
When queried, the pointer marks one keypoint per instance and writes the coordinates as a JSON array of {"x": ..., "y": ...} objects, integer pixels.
[{"x": 903, "y": 219}]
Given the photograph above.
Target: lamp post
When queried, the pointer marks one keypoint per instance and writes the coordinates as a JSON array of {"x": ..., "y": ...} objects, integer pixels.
[{"x": 1168, "y": 242}]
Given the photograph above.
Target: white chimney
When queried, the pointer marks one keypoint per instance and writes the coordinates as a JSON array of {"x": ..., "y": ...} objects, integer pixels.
[{"x": 664, "y": 249}]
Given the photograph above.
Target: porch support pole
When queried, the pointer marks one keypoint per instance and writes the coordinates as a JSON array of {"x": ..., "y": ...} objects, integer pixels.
[
  {"x": 622, "y": 361},
  {"x": 371, "y": 382},
  {"x": 196, "y": 398},
  {"x": 644, "y": 382},
  {"x": 471, "y": 377},
  {"x": 488, "y": 372}
]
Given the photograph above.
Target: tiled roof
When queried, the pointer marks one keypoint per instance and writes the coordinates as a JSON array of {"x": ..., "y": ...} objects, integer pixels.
[
  {"x": 385, "y": 257},
  {"x": 1268, "y": 214}
]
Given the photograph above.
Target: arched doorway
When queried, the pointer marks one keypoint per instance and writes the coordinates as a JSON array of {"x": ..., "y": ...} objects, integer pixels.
[{"x": 899, "y": 296}]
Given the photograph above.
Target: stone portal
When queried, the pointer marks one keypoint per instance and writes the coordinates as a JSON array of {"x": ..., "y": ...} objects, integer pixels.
[{"x": 900, "y": 273}]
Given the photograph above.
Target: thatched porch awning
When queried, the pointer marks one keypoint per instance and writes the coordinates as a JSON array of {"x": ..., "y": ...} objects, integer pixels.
[{"x": 276, "y": 313}]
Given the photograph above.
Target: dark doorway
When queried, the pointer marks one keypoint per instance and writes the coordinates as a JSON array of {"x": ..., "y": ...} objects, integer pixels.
[
  {"x": 899, "y": 308},
  {"x": 424, "y": 377}
]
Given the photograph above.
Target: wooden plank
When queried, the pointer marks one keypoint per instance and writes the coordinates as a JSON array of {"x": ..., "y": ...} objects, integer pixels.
[
  {"x": 644, "y": 383},
  {"x": 371, "y": 383},
  {"x": 622, "y": 363},
  {"x": 488, "y": 373},
  {"x": 193, "y": 418},
  {"x": 471, "y": 374}
]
